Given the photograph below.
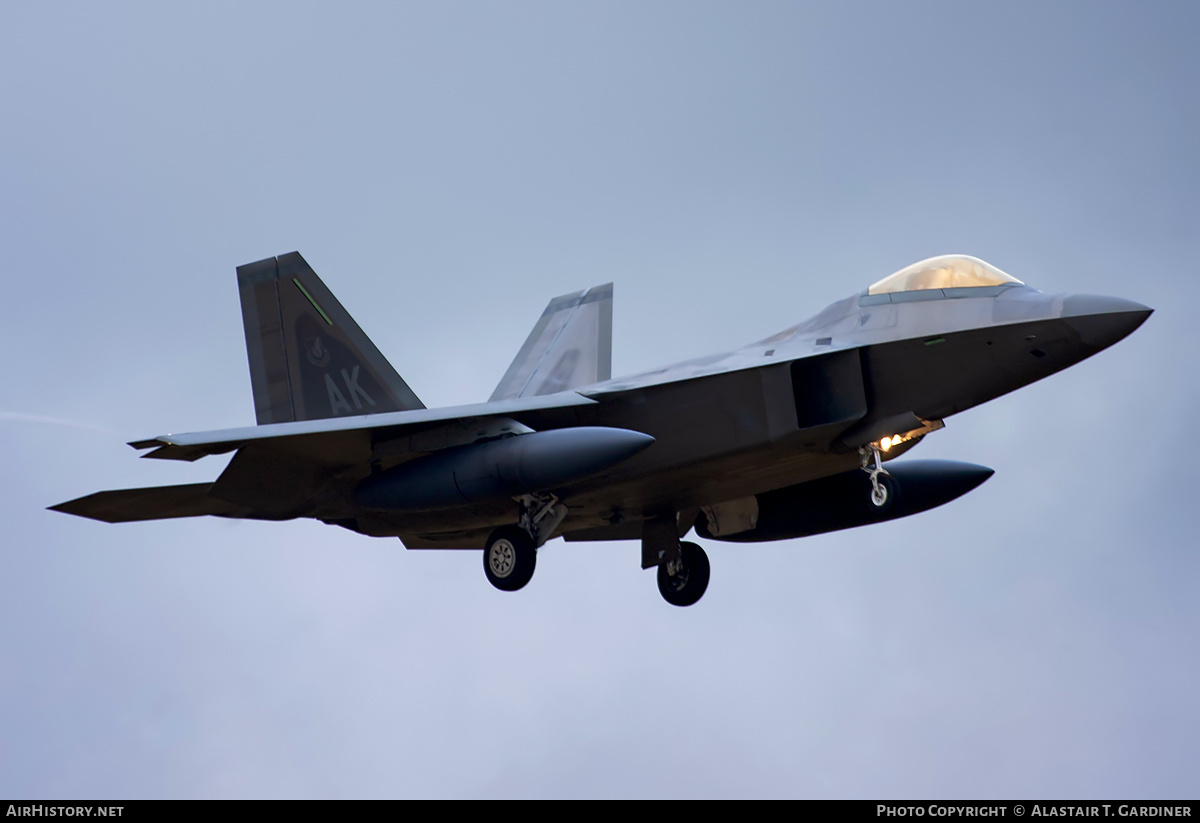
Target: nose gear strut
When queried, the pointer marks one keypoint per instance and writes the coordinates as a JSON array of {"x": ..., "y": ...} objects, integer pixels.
[{"x": 872, "y": 464}]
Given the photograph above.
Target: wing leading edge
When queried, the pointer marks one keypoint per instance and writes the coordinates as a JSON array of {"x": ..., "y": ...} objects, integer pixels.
[{"x": 326, "y": 434}]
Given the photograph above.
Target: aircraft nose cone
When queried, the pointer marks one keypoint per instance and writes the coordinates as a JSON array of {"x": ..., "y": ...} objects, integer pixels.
[{"x": 1102, "y": 321}]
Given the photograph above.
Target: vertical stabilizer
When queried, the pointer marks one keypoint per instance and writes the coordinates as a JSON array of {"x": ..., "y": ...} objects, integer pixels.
[
  {"x": 308, "y": 358},
  {"x": 570, "y": 346}
]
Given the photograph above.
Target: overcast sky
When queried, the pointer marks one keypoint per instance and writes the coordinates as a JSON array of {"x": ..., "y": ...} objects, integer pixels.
[{"x": 733, "y": 167}]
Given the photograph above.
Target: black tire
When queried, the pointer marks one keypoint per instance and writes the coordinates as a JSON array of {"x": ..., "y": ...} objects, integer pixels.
[
  {"x": 891, "y": 492},
  {"x": 688, "y": 586},
  {"x": 509, "y": 558}
]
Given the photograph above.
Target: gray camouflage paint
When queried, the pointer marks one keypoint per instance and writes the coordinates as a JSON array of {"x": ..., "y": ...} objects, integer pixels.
[
  {"x": 309, "y": 360},
  {"x": 781, "y": 412}
]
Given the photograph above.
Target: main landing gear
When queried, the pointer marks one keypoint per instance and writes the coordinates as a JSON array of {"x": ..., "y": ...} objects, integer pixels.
[
  {"x": 510, "y": 556},
  {"x": 682, "y": 581},
  {"x": 883, "y": 486},
  {"x": 682, "y": 567}
]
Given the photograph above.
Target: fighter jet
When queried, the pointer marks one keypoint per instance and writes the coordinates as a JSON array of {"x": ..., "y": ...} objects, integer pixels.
[{"x": 791, "y": 436}]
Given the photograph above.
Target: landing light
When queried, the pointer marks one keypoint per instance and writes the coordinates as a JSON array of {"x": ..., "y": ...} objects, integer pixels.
[{"x": 891, "y": 441}]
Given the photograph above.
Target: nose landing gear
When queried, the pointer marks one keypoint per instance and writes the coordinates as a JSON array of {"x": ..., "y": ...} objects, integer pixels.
[{"x": 883, "y": 486}]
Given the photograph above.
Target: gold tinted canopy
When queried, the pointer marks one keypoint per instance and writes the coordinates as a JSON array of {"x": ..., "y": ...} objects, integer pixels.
[{"x": 949, "y": 271}]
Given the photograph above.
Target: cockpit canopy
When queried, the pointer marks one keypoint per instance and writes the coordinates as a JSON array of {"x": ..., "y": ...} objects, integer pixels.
[{"x": 949, "y": 271}]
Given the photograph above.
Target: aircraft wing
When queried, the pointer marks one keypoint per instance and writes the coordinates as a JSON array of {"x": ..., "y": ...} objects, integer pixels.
[
  {"x": 331, "y": 437},
  {"x": 570, "y": 346}
]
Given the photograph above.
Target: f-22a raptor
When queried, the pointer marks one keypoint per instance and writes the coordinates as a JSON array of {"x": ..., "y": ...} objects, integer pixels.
[{"x": 790, "y": 436}]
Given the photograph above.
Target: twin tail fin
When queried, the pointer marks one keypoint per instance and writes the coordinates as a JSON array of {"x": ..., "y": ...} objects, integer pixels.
[
  {"x": 309, "y": 360},
  {"x": 570, "y": 346}
]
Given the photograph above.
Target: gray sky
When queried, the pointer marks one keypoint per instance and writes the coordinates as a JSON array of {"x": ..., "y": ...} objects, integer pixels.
[{"x": 449, "y": 167}]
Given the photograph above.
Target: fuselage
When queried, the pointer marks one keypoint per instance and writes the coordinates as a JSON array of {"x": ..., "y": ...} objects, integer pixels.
[
  {"x": 784, "y": 438},
  {"x": 797, "y": 405},
  {"x": 557, "y": 451}
]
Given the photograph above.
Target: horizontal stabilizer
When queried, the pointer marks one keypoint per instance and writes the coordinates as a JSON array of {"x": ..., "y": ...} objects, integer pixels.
[
  {"x": 155, "y": 503},
  {"x": 570, "y": 346}
]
